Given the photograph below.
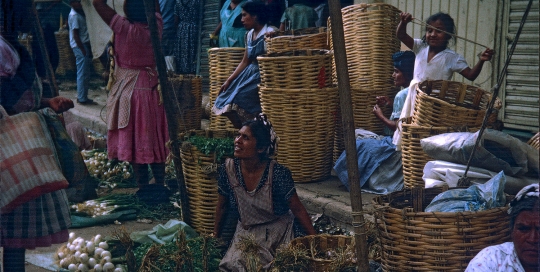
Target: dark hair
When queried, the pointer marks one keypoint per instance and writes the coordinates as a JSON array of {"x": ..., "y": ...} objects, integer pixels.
[
  {"x": 262, "y": 133},
  {"x": 447, "y": 21},
  {"x": 526, "y": 204},
  {"x": 258, "y": 9},
  {"x": 135, "y": 11},
  {"x": 404, "y": 62}
]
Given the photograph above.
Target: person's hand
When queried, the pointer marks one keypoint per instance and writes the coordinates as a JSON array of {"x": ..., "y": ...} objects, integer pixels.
[
  {"x": 60, "y": 104},
  {"x": 487, "y": 54},
  {"x": 405, "y": 17},
  {"x": 225, "y": 86},
  {"x": 378, "y": 112},
  {"x": 382, "y": 101}
]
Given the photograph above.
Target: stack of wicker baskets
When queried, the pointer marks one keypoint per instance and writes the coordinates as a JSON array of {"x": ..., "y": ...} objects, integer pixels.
[
  {"x": 414, "y": 240},
  {"x": 441, "y": 106},
  {"x": 191, "y": 117},
  {"x": 296, "y": 93},
  {"x": 369, "y": 46},
  {"x": 201, "y": 180},
  {"x": 222, "y": 63},
  {"x": 66, "y": 65},
  {"x": 300, "y": 39}
]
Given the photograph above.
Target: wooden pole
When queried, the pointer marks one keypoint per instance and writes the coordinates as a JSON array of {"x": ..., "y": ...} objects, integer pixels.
[
  {"x": 44, "y": 53},
  {"x": 172, "y": 112},
  {"x": 348, "y": 132}
]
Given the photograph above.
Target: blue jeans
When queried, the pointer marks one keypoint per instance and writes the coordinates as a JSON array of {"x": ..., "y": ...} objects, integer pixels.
[{"x": 83, "y": 71}]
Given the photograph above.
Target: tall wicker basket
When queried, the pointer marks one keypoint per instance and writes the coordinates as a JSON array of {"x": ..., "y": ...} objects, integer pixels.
[
  {"x": 303, "y": 120},
  {"x": 191, "y": 117},
  {"x": 222, "y": 63},
  {"x": 66, "y": 65},
  {"x": 300, "y": 39},
  {"x": 413, "y": 240},
  {"x": 413, "y": 156},
  {"x": 201, "y": 180}
]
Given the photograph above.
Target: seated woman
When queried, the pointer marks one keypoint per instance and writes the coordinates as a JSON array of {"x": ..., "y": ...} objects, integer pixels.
[
  {"x": 521, "y": 254},
  {"x": 238, "y": 97},
  {"x": 378, "y": 162},
  {"x": 263, "y": 193}
]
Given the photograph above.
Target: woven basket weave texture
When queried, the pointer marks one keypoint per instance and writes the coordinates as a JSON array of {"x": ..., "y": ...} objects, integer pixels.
[
  {"x": 301, "y": 39},
  {"x": 303, "y": 120},
  {"x": 451, "y": 103},
  {"x": 191, "y": 118},
  {"x": 433, "y": 241},
  {"x": 297, "y": 69},
  {"x": 201, "y": 180},
  {"x": 222, "y": 63},
  {"x": 66, "y": 65},
  {"x": 535, "y": 141}
]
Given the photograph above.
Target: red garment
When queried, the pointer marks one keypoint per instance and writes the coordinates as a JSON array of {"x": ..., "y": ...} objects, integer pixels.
[{"x": 143, "y": 140}]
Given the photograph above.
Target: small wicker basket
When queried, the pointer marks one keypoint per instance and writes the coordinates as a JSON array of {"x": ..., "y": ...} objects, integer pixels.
[
  {"x": 413, "y": 156},
  {"x": 201, "y": 180},
  {"x": 300, "y": 39},
  {"x": 451, "y": 103},
  {"x": 413, "y": 240},
  {"x": 298, "y": 69},
  {"x": 303, "y": 120},
  {"x": 321, "y": 244},
  {"x": 222, "y": 63}
]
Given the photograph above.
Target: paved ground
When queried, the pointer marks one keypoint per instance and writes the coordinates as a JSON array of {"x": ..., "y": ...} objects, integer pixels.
[{"x": 328, "y": 197}]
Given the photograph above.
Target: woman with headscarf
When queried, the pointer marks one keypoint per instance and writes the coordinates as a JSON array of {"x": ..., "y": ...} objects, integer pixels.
[
  {"x": 520, "y": 254},
  {"x": 262, "y": 192},
  {"x": 136, "y": 122}
]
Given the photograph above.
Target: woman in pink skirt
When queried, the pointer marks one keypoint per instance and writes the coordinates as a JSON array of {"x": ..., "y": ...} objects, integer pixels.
[{"x": 136, "y": 123}]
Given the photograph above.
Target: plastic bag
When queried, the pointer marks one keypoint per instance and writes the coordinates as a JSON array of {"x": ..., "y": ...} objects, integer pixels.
[{"x": 475, "y": 198}]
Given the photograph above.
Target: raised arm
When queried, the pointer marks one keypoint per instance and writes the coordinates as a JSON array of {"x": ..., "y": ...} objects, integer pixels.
[
  {"x": 472, "y": 74},
  {"x": 105, "y": 11},
  {"x": 401, "y": 31}
]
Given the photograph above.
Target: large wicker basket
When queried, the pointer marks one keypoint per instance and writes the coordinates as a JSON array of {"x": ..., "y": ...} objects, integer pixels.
[
  {"x": 66, "y": 65},
  {"x": 298, "y": 69},
  {"x": 191, "y": 117},
  {"x": 303, "y": 120},
  {"x": 322, "y": 244},
  {"x": 413, "y": 156},
  {"x": 222, "y": 63},
  {"x": 451, "y": 103},
  {"x": 300, "y": 39},
  {"x": 368, "y": 45},
  {"x": 201, "y": 180},
  {"x": 413, "y": 240}
]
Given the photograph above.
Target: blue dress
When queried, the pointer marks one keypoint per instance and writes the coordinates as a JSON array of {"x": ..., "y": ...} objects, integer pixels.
[{"x": 242, "y": 95}]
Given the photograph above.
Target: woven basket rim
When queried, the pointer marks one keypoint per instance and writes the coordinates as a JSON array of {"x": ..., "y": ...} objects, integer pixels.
[
  {"x": 326, "y": 53},
  {"x": 326, "y": 236},
  {"x": 409, "y": 210},
  {"x": 226, "y": 49}
]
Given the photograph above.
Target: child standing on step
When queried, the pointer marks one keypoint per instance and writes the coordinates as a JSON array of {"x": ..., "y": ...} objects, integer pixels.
[{"x": 434, "y": 60}]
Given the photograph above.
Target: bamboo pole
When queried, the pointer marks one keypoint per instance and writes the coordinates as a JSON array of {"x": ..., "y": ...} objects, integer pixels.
[
  {"x": 348, "y": 132},
  {"x": 44, "y": 53},
  {"x": 172, "y": 112}
]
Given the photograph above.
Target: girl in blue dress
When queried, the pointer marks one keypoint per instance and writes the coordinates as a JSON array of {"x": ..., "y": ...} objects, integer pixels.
[{"x": 238, "y": 97}]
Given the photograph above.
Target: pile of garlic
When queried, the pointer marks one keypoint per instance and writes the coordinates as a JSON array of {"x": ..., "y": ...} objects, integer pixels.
[
  {"x": 100, "y": 167},
  {"x": 94, "y": 208},
  {"x": 79, "y": 255}
]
